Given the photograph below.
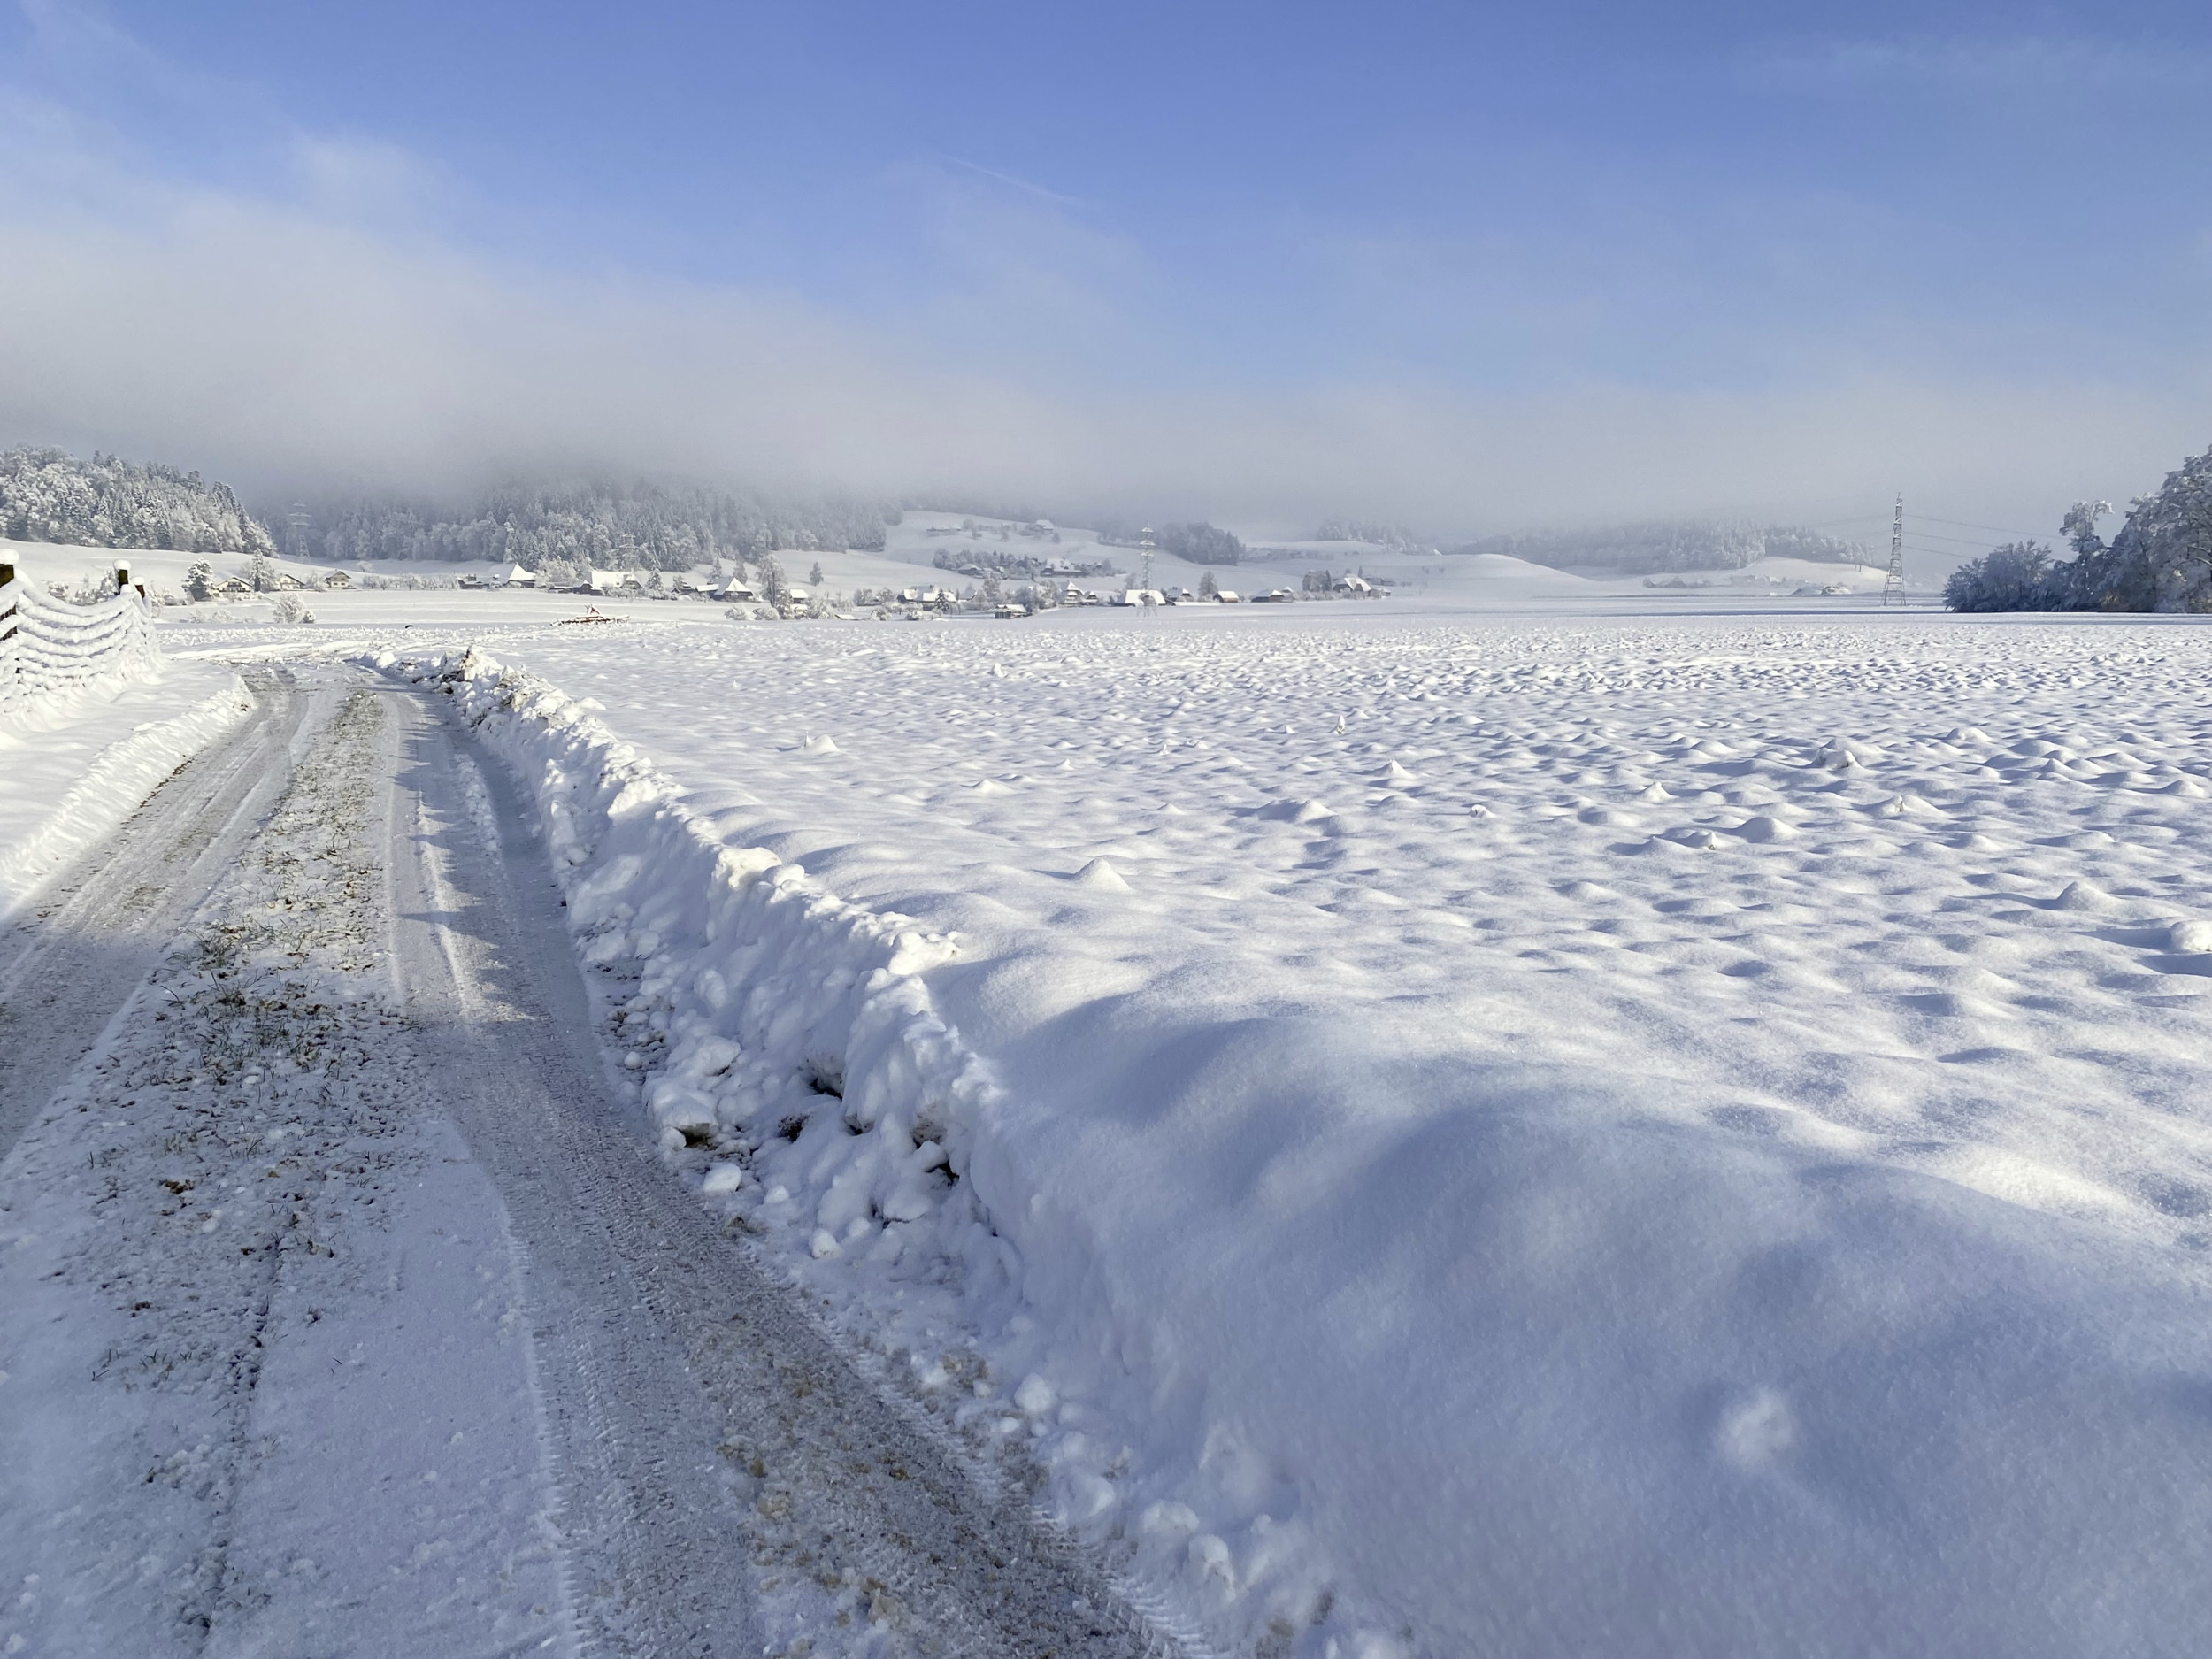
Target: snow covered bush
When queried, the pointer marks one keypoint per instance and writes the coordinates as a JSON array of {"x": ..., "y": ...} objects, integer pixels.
[{"x": 2018, "y": 576}]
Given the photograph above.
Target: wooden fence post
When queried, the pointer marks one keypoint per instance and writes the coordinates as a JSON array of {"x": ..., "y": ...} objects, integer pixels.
[{"x": 7, "y": 631}]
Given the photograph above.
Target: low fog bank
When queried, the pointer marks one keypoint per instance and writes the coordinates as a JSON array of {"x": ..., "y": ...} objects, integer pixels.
[{"x": 298, "y": 355}]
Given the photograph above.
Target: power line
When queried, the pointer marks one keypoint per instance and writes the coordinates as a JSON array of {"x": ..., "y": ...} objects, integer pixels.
[
  {"x": 1961, "y": 524},
  {"x": 1937, "y": 535}
]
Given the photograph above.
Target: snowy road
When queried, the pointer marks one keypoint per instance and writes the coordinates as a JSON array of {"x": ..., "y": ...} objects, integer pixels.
[
  {"x": 340, "y": 1312},
  {"x": 72, "y": 958}
]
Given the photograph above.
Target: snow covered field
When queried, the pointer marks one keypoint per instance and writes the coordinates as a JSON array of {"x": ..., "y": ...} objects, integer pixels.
[{"x": 1555, "y": 1136}]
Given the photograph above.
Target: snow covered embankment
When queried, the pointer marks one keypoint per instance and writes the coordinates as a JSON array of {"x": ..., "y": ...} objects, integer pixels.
[
  {"x": 771, "y": 1020},
  {"x": 119, "y": 776},
  {"x": 789, "y": 1053}
]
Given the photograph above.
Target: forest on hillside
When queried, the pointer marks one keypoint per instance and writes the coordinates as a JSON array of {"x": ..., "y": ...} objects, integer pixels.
[
  {"x": 50, "y": 495},
  {"x": 637, "y": 525},
  {"x": 1638, "y": 550}
]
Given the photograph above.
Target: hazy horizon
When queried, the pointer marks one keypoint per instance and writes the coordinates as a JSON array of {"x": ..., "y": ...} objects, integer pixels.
[{"x": 1468, "y": 273}]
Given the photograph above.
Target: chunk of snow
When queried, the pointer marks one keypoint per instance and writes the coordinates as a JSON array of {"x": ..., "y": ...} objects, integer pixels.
[
  {"x": 2191, "y": 938},
  {"x": 1101, "y": 873}
]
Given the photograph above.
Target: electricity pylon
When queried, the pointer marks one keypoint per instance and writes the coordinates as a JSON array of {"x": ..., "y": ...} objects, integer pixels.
[{"x": 1894, "y": 584}]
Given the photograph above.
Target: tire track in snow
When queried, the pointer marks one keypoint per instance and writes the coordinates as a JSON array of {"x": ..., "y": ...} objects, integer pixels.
[
  {"x": 215, "y": 1234},
  {"x": 73, "y": 957}
]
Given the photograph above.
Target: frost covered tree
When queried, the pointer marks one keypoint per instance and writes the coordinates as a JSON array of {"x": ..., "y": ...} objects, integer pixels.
[
  {"x": 199, "y": 581},
  {"x": 2168, "y": 539},
  {"x": 814, "y": 576},
  {"x": 50, "y": 495},
  {"x": 1395, "y": 537},
  {"x": 1200, "y": 543},
  {"x": 2161, "y": 559},
  {"x": 648, "y": 523},
  {"x": 261, "y": 575},
  {"x": 2019, "y": 576},
  {"x": 2080, "y": 527}
]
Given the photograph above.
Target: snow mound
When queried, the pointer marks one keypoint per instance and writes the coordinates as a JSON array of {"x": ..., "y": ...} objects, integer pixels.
[
  {"x": 2083, "y": 896},
  {"x": 2190, "y": 938},
  {"x": 1101, "y": 873}
]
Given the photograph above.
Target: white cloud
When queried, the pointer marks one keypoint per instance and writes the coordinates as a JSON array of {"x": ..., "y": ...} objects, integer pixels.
[{"x": 331, "y": 334}]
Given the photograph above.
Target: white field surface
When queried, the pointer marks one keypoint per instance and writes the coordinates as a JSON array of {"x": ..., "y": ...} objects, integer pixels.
[{"x": 1562, "y": 1133}]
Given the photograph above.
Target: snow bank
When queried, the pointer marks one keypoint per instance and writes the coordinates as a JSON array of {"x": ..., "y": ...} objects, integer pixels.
[
  {"x": 79, "y": 766},
  {"x": 1350, "y": 1332}
]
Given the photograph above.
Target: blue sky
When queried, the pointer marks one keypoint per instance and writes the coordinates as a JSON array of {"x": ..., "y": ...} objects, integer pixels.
[{"x": 1472, "y": 265}]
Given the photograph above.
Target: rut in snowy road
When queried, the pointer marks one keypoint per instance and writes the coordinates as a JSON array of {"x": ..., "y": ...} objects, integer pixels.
[
  {"x": 98, "y": 927},
  {"x": 344, "y": 1310}
]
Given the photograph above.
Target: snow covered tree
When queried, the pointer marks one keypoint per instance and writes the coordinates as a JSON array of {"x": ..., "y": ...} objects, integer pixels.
[
  {"x": 655, "y": 526},
  {"x": 2167, "y": 537},
  {"x": 2080, "y": 527},
  {"x": 1208, "y": 588},
  {"x": 2161, "y": 559},
  {"x": 199, "y": 581},
  {"x": 2016, "y": 577},
  {"x": 1200, "y": 543},
  {"x": 50, "y": 495},
  {"x": 814, "y": 576}
]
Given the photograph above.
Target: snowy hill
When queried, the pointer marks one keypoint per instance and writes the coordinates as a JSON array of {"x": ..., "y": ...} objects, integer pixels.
[
  {"x": 49, "y": 496},
  {"x": 1635, "y": 549}
]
